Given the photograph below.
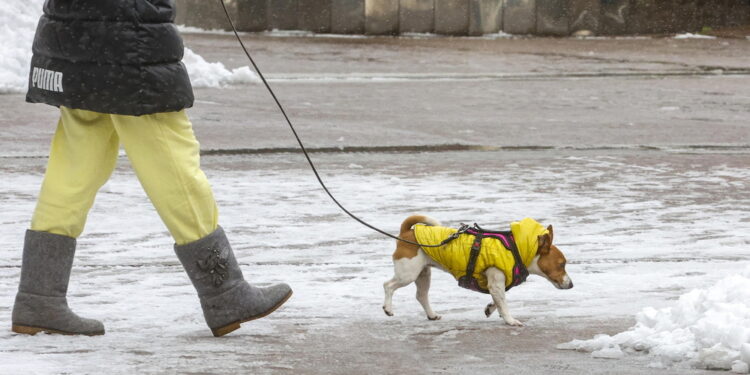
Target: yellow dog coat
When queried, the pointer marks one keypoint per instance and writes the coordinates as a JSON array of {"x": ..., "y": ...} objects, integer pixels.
[{"x": 454, "y": 256}]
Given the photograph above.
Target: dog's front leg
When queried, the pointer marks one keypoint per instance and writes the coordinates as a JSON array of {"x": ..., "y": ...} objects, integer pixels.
[
  {"x": 490, "y": 309},
  {"x": 496, "y": 283}
]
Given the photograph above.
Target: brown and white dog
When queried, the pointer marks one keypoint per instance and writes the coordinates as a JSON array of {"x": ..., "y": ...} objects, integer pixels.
[{"x": 412, "y": 264}]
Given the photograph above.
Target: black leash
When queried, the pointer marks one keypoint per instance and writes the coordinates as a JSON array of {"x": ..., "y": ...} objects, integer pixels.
[{"x": 309, "y": 161}]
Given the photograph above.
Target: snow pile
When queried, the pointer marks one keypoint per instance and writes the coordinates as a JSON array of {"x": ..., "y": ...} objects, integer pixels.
[
  {"x": 707, "y": 328},
  {"x": 693, "y": 36},
  {"x": 206, "y": 74},
  {"x": 18, "y": 19}
]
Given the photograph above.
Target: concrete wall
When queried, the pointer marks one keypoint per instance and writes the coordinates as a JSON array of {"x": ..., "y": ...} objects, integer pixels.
[
  {"x": 347, "y": 16},
  {"x": 615, "y": 16},
  {"x": 468, "y": 17},
  {"x": 208, "y": 14},
  {"x": 451, "y": 17},
  {"x": 485, "y": 16},
  {"x": 584, "y": 15},
  {"x": 416, "y": 16},
  {"x": 381, "y": 16},
  {"x": 314, "y": 15},
  {"x": 519, "y": 16},
  {"x": 552, "y": 17}
]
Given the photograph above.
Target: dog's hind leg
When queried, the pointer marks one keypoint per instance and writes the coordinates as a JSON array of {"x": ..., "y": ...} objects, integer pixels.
[
  {"x": 407, "y": 271},
  {"x": 389, "y": 286},
  {"x": 423, "y": 288}
]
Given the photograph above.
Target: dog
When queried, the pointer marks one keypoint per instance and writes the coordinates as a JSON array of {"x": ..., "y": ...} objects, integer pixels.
[{"x": 533, "y": 243}]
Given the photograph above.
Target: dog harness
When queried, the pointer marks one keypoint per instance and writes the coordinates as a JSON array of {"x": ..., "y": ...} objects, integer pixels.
[
  {"x": 471, "y": 250},
  {"x": 519, "y": 272}
]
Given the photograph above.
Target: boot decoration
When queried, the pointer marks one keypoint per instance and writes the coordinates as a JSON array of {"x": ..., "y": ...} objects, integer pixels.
[{"x": 215, "y": 266}]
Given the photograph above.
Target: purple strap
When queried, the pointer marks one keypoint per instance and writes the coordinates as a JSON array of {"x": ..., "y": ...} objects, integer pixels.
[{"x": 503, "y": 238}]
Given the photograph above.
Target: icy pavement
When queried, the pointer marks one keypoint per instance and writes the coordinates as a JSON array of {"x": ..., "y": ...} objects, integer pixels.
[
  {"x": 639, "y": 229},
  {"x": 637, "y": 151}
]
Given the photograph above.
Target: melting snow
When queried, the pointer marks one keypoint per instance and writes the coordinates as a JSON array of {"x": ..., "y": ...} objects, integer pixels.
[
  {"x": 693, "y": 36},
  {"x": 18, "y": 20},
  {"x": 709, "y": 328},
  {"x": 206, "y": 74}
]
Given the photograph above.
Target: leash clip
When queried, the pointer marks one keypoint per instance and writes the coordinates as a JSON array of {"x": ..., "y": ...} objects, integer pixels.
[{"x": 461, "y": 230}]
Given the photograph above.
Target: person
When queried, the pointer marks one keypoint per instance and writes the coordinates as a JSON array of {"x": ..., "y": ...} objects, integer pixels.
[{"x": 114, "y": 70}]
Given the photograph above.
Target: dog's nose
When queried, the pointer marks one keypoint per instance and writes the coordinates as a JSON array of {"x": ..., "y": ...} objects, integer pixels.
[{"x": 570, "y": 285}]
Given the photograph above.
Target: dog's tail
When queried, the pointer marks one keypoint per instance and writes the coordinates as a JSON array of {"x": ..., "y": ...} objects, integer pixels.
[{"x": 417, "y": 219}]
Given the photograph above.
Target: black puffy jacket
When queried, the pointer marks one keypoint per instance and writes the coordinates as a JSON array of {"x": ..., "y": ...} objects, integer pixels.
[{"x": 110, "y": 56}]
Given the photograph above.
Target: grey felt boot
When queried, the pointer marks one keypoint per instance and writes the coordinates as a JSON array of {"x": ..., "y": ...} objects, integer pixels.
[
  {"x": 41, "y": 304},
  {"x": 227, "y": 299}
]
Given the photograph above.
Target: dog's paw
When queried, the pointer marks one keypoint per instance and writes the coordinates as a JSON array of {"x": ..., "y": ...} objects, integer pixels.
[
  {"x": 514, "y": 322},
  {"x": 436, "y": 317},
  {"x": 489, "y": 310},
  {"x": 387, "y": 312}
]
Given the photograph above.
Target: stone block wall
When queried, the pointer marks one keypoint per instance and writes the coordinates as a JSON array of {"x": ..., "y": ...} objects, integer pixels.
[{"x": 468, "y": 17}]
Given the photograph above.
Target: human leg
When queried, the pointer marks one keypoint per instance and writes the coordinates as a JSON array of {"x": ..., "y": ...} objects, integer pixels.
[
  {"x": 165, "y": 156},
  {"x": 82, "y": 157}
]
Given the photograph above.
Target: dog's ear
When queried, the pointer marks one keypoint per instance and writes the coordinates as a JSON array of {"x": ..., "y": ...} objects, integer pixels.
[
  {"x": 551, "y": 236},
  {"x": 544, "y": 242}
]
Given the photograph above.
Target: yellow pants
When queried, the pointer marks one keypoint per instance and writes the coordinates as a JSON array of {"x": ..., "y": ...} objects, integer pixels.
[{"x": 164, "y": 153}]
